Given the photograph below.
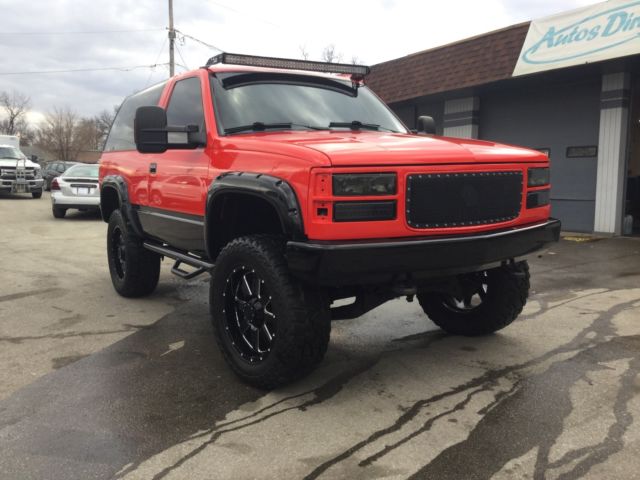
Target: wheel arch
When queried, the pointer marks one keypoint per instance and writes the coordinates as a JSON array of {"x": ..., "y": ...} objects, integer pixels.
[
  {"x": 114, "y": 195},
  {"x": 270, "y": 205}
]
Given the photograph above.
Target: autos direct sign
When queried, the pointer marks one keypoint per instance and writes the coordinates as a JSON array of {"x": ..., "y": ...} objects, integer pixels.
[{"x": 591, "y": 34}]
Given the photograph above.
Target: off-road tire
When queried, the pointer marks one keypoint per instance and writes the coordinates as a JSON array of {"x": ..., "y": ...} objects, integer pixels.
[
  {"x": 37, "y": 194},
  {"x": 301, "y": 314},
  {"x": 134, "y": 270},
  {"x": 506, "y": 296},
  {"x": 58, "y": 212}
]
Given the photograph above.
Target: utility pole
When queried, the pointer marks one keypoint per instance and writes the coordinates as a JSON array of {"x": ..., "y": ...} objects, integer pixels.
[{"x": 172, "y": 39}]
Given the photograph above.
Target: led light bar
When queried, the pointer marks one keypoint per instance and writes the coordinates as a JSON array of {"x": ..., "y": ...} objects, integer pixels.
[{"x": 288, "y": 64}]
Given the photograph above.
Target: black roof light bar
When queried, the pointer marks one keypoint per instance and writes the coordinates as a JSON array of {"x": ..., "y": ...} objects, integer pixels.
[{"x": 356, "y": 71}]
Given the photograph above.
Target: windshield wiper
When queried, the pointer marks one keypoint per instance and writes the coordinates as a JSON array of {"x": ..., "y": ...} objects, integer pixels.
[
  {"x": 358, "y": 125},
  {"x": 261, "y": 126}
]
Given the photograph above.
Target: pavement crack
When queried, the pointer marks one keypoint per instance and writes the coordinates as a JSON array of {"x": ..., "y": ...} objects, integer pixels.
[
  {"x": 614, "y": 441},
  {"x": 56, "y": 336},
  {"x": 30, "y": 293},
  {"x": 475, "y": 457},
  {"x": 320, "y": 394},
  {"x": 601, "y": 325}
]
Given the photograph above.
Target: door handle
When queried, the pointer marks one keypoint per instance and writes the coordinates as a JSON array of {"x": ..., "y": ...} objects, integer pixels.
[{"x": 153, "y": 167}]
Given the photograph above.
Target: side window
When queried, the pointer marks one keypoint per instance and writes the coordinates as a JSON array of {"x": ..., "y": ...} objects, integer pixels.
[
  {"x": 60, "y": 167},
  {"x": 185, "y": 107},
  {"x": 121, "y": 133}
]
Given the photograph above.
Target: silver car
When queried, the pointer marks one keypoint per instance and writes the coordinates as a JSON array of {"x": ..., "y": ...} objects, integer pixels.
[{"x": 76, "y": 188}]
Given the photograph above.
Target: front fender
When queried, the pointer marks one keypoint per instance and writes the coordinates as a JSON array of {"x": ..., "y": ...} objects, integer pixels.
[{"x": 277, "y": 192}]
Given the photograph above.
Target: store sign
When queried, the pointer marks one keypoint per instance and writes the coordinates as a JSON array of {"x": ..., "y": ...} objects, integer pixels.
[{"x": 591, "y": 34}]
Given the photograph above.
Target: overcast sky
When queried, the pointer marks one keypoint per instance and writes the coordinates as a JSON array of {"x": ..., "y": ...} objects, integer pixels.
[{"x": 44, "y": 35}]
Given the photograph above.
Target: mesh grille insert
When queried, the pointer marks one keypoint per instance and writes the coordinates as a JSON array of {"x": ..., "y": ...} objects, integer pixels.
[{"x": 463, "y": 199}]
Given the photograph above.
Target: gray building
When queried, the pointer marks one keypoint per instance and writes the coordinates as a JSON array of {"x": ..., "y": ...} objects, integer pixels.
[{"x": 546, "y": 86}]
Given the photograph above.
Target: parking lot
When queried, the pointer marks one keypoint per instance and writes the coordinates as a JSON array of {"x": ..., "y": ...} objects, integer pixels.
[{"x": 97, "y": 386}]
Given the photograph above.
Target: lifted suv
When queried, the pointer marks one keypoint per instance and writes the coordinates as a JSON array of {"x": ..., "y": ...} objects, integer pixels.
[{"x": 296, "y": 188}]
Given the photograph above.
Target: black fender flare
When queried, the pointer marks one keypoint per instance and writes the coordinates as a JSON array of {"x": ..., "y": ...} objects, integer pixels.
[
  {"x": 119, "y": 184},
  {"x": 274, "y": 190}
]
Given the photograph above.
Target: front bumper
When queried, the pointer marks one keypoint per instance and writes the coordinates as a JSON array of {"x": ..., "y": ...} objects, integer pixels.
[
  {"x": 379, "y": 262},
  {"x": 13, "y": 186}
]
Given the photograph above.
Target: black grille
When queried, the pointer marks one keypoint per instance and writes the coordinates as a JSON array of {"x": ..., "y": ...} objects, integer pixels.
[{"x": 462, "y": 199}]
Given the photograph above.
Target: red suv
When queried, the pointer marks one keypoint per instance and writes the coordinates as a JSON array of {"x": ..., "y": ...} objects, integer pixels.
[{"x": 294, "y": 186}]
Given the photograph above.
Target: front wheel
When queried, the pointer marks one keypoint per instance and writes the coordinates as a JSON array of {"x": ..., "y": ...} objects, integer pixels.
[
  {"x": 37, "y": 194},
  {"x": 491, "y": 301},
  {"x": 271, "y": 329},
  {"x": 134, "y": 269}
]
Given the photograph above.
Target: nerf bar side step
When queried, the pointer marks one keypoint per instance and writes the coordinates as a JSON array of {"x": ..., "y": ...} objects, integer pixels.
[{"x": 180, "y": 257}]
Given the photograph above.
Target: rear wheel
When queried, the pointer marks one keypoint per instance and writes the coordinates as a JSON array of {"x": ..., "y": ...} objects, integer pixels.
[
  {"x": 491, "y": 300},
  {"x": 134, "y": 269},
  {"x": 58, "y": 212},
  {"x": 271, "y": 329}
]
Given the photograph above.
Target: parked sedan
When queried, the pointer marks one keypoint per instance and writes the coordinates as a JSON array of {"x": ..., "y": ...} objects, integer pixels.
[
  {"x": 76, "y": 188},
  {"x": 54, "y": 169}
]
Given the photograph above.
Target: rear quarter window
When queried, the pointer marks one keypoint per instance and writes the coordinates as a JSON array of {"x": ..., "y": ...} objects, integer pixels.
[{"x": 121, "y": 133}]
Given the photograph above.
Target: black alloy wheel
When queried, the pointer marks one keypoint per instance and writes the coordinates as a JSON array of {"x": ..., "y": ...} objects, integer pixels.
[
  {"x": 119, "y": 252},
  {"x": 271, "y": 328},
  {"x": 249, "y": 318},
  {"x": 493, "y": 299},
  {"x": 134, "y": 269},
  {"x": 472, "y": 299}
]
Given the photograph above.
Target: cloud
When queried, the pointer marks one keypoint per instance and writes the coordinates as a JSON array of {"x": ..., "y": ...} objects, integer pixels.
[{"x": 371, "y": 31}]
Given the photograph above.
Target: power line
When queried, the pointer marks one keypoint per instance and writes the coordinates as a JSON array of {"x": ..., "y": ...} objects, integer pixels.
[
  {"x": 182, "y": 58},
  {"x": 164, "y": 42},
  {"x": 84, "y": 32},
  {"x": 122, "y": 69},
  {"x": 198, "y": 40}
]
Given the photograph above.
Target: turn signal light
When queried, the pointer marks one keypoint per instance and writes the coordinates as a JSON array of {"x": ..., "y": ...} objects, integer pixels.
[
  {"x": 364, "y": 211},
  {"x": 539, "y": 198}
]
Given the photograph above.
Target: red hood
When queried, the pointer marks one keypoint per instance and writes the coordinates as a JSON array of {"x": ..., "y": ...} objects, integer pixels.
[{"x": 378, "y": 148}]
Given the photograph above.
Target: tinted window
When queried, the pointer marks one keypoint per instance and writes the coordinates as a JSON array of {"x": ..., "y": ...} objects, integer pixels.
[
  {"x": 121, "y": 134},
  {"x": 185, "y": 107},
  {"x": 60, "y": 167},
  {"x": 242, "y": 99}
]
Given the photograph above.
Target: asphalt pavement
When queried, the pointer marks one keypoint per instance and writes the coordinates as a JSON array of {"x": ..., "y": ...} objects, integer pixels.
[{"x": 97, "y": 386}]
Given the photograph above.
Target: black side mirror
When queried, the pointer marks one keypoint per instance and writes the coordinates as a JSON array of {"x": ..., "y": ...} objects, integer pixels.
[
  {"x": 150, "y": 130},
  {"x": 34, "y": 158},
  {"x": 426, "y": 125}
]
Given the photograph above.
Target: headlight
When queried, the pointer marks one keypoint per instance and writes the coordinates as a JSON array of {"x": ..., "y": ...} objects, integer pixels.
[
  {"x": 364, "y": 184},
  {"x": 538, "y": 177},
  {"x": 38, "y": 173}
]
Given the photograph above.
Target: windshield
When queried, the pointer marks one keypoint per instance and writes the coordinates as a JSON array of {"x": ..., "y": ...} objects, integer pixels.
[
  {"x": 90, "y": 171},
  {"x": 11, "y": 152},
  {"x": 297, "y": 102}
]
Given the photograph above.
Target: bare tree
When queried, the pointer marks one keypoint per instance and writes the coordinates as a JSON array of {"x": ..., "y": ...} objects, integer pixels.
[
  {"x": 103, "y": 123},
  {"x": 65, "y": 134},
  {"x": 330, "y": 55},
  {"x": 15, "y": 106},
  {"x": 304, "y": 53}
]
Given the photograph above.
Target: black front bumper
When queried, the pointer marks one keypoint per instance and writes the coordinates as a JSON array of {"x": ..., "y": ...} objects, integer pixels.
[{"x": 379, "y": 262}]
